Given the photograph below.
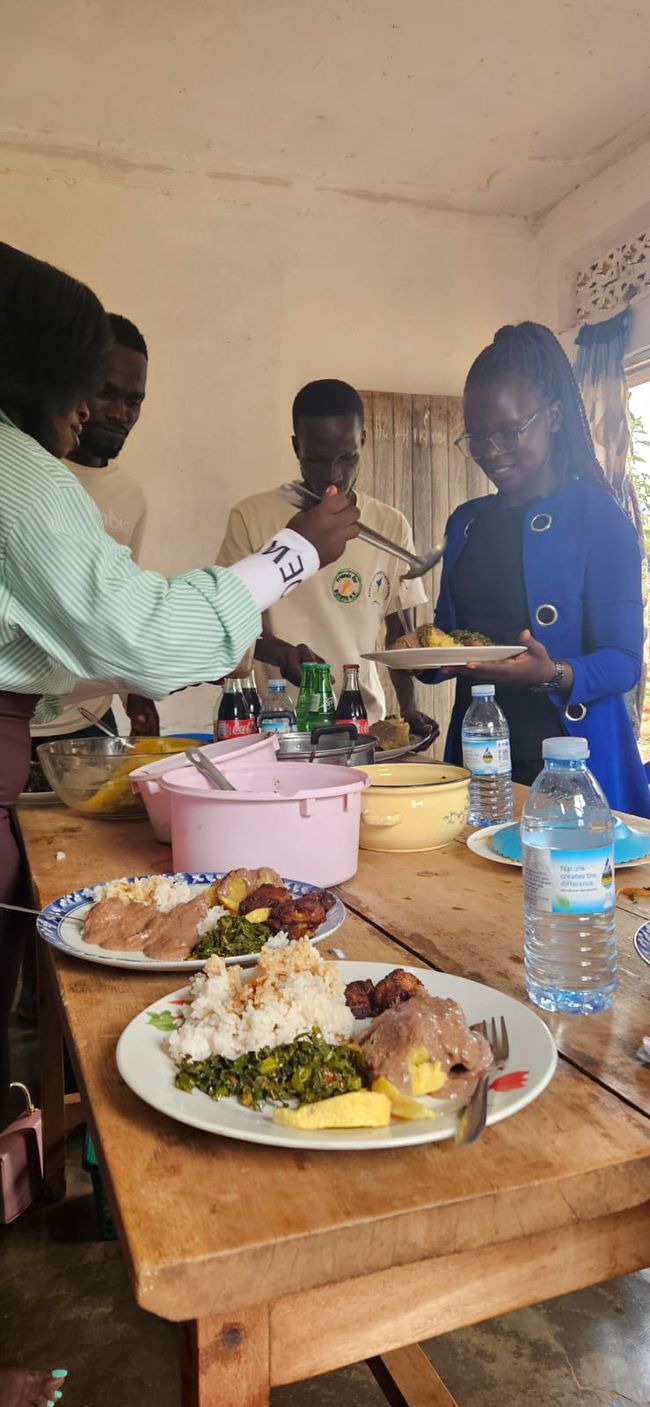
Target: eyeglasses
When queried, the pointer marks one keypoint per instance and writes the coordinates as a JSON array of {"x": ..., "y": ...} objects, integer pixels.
[{"x": 474, "y": 446}]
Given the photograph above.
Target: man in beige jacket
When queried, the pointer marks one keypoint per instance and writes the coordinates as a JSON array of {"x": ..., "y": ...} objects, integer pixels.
[{"x": 351, "y": 607}]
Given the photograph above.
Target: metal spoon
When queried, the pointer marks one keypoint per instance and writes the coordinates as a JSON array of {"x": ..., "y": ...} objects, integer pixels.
[
  {"x": 208, "y": 769},
  {"x": 300, "y": 496},
  {"x": 104, "y": 728},
  {"x": 20, "y": 909}
]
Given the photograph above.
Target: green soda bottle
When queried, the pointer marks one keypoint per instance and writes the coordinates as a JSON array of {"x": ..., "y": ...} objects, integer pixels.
[{"x": 316, "y": 706}]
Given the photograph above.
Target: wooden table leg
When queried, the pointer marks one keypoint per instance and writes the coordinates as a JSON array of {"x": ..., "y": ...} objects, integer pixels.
[
  {"x": 52, "y": 1086},
  {"x": 408, "y": 1379},
  {"x": 226, "y": 1362}
]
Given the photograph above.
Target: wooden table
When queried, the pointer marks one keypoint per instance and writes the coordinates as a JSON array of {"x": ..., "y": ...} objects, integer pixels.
[{"x": 285, "y": 1264}]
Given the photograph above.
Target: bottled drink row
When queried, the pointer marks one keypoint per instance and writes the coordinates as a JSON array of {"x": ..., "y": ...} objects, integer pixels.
[{"x": 241, "y": 711}]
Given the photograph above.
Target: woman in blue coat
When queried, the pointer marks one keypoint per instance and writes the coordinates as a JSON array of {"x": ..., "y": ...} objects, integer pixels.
[{"x": 550, "y": 561}]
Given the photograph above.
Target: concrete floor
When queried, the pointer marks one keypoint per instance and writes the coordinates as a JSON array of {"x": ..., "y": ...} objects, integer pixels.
[{"x": 65, "y": 1302}]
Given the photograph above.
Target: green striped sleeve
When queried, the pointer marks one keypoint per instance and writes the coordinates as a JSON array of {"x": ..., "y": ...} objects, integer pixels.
[{"x": 79, "y": 596}]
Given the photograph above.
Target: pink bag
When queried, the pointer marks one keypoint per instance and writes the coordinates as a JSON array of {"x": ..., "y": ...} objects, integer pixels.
[{"x": 21, "y": 1161}]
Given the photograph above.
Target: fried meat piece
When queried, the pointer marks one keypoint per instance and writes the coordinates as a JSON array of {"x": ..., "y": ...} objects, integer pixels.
[
  {"x": 365, "y": 999},
  {"x": 360, "y": 997},
  {"x": 405, "y": 642},
  {"x": 298, "y": 918},
  {"x": 398, "y": 986},
  {"x": 266, "y": 896}
]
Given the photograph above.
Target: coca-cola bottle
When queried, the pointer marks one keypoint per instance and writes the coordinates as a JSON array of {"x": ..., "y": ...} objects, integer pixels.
[
  {"x": 249, "y": 690},
  {"x": 351, "y": 708},
  {"x": 234, "y": 718}
]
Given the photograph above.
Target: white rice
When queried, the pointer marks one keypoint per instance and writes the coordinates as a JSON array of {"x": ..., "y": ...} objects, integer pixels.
[
  {"x": 289, "y": 992},
  {"x": 277, "y": 941},
  {"x": 165, "y": 893},
  {"x": 210, "y": 920}
]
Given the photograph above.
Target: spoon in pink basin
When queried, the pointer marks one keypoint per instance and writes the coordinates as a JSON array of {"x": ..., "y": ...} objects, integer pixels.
[{"x": 208, "y": 769}]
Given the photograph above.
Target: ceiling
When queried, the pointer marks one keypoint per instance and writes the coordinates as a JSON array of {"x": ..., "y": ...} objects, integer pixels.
[{"x": 499, "y": 108}]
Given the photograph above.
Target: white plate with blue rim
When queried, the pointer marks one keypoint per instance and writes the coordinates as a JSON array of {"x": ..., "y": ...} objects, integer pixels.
[
  {"x": 642, "y": 942},
  {"x": 61, "y": 924}
]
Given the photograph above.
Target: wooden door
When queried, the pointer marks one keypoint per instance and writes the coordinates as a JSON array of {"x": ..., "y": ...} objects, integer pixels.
[{"x": 411, "y": 462}]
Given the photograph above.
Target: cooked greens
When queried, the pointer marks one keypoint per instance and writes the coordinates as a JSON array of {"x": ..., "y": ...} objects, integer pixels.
[
  {"x": 307, "y": 1069},
  {"x": 232, "y": 936},
  {"x": 37, "y": 781},
  {"x": 470, "y": 637}
]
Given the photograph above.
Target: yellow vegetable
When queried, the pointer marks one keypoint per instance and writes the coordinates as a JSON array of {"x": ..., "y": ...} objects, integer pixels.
[
  {"x": 359, "y": 1110},
  {"x": 427, "y": 1075},
  {"x": 258, "y": 915},
  {"x": 429, "y": 635},
  {"x": 116, "y": 793},
  {"x": 233, "y": 889},
  {"x": 402, "y": 1106}
]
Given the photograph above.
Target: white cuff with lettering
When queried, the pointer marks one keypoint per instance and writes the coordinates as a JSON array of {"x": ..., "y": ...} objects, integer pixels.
[{"x": 285, "y": 561}]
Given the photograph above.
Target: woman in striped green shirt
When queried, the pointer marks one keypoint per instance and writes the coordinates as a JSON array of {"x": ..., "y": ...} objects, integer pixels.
[{"x": 76, "y": 614}]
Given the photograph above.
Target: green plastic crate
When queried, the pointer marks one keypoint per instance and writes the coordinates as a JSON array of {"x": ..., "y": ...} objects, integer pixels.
[{"x": 89, "y": 1161}]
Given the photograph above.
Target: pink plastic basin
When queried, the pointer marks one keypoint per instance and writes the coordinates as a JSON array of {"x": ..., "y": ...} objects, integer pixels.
[
  {"x": 302, "y": 820},
  {"x": 230, "y": 754}
]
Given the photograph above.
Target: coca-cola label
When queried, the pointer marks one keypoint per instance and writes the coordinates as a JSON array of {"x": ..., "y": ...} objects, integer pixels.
[
  {"x": 361, "y": 724},
  {"x": 235, "y": 728}
]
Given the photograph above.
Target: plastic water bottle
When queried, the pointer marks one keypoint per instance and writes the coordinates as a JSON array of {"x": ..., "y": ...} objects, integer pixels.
[
  {"x": 277, "y": 714},
  {"x": 569, "y": 893},
  {"x": 486, "y": 754}
]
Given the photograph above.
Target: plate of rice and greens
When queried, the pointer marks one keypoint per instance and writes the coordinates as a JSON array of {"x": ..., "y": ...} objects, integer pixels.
[
  {"x": 428, "y": 647},
  {"x": 175, "y": 922},
  {"x": 300, "y": 1051}
]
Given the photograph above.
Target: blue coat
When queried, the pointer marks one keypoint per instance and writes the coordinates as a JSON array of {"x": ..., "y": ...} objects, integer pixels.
[{"x": 582, "y": 569}]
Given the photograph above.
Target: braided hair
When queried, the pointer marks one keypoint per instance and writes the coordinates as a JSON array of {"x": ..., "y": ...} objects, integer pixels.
[{"x": 532, "y": 351}]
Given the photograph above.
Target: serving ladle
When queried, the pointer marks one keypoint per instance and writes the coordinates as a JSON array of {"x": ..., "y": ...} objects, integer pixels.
[
  {"x": 104, "y": 728},
  {"x": 301, "y": 497}
]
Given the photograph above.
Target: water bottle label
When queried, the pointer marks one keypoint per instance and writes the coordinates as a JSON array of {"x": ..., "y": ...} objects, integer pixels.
[
  {"x": 274, "y": 725},
  {"x": 488, "y": 758},
  {"x": 569, "y": 881}
]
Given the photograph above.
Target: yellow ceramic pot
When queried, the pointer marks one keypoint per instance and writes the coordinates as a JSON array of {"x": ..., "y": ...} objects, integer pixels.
[{"x": 413, "y": 805}]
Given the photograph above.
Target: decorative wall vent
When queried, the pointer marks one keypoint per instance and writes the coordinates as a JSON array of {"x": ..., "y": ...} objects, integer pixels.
[{"x": 612, "y": 282}]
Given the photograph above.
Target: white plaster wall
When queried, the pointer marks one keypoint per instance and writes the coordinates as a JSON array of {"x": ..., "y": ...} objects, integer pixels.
[{"x": 244, "y": 291}]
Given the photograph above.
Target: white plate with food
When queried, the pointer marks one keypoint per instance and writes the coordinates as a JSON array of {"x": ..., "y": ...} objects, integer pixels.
[
  {"x": 293, "y": 1036},
  {"x": 38, "y": 798},
  {"x": 429, "y": 647},
  {"x": 154, "y": 922},
  {"x": 444, "y": 656},
  {"x": 627, "y": 841}
]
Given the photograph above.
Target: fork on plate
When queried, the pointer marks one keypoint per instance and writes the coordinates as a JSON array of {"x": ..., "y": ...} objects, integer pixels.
[{"x": 471, "y": 1119}]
